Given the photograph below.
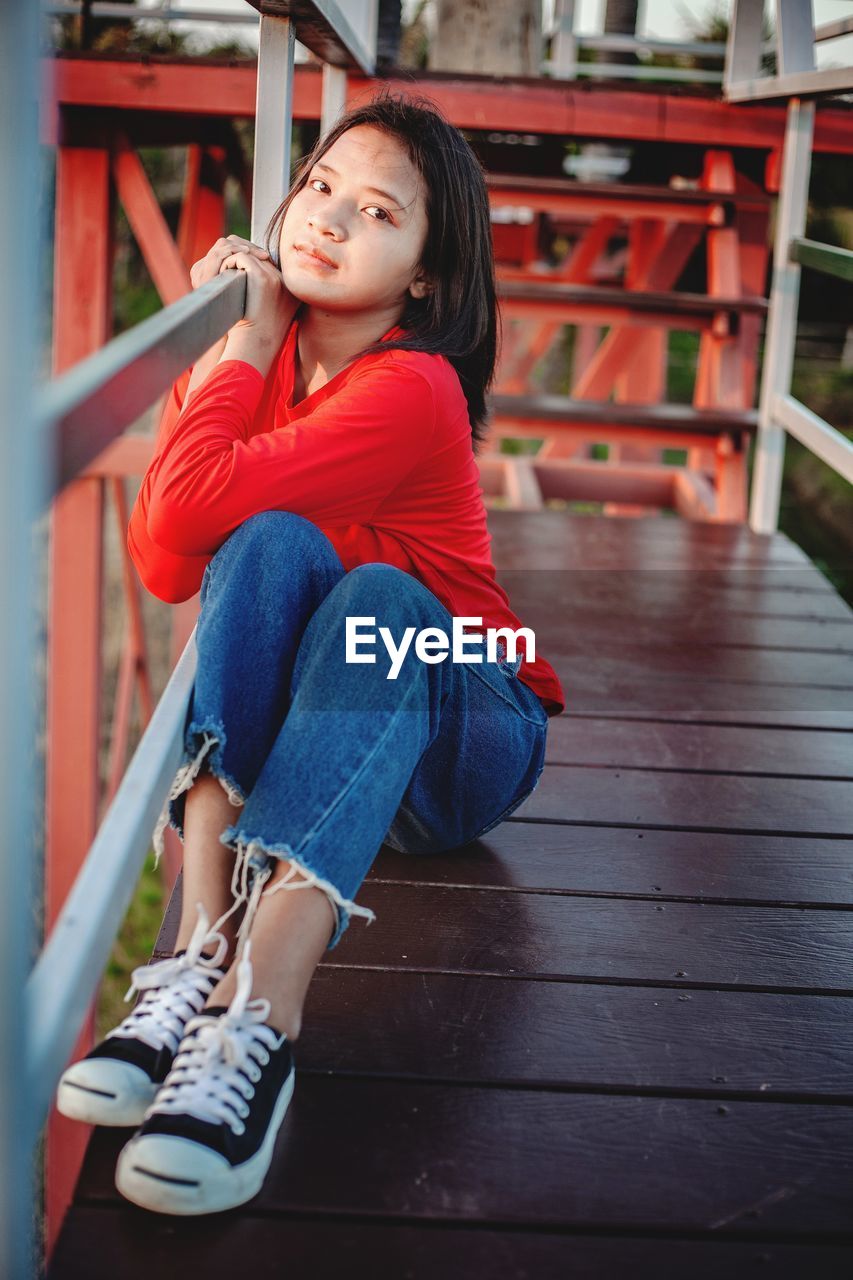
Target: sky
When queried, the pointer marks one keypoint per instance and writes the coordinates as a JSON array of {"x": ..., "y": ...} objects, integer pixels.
[{"x": 666, "y": 19}]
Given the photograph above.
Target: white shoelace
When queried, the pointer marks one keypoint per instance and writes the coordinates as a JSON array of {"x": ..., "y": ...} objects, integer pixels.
[
  {"x": 208, "y": 1078},
  {"x": 175, "y": 990},
  {"x": 254, "y": 867}
]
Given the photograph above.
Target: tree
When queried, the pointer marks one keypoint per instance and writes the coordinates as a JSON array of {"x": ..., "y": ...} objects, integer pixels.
[
  {"x": 620, "y": 19},
  {"x": 499, "y": 37}
]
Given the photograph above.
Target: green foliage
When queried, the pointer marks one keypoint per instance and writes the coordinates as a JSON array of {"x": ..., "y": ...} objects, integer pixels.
[
  {"x": 520, "y": 445},
  {"x": 682, "y": 354},
  {"x": 827, "y": 391}
]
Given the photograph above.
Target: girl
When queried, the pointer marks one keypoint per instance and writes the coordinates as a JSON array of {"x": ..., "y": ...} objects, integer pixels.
[{"x": 314, "y": 473}]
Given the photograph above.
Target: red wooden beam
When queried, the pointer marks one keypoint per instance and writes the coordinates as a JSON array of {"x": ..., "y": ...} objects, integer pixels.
[
  {"x": 82, "y": 324},
  {"x": 581, "y": 204},
  {"x": 471, "y": 102},
  {"x": 162, "y": 257}
]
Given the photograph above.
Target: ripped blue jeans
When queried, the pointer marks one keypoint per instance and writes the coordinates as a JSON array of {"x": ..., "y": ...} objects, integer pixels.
[{"x": 330, "y": 759}]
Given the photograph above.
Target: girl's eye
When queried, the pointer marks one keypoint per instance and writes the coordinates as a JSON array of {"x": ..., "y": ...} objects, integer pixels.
[{"x": 384, "y": 218}]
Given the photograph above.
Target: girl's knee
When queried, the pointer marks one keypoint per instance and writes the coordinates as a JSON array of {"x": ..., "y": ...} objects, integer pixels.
[
  {"x": 276, "y": 545},
  {"x": 280, "y": 539},
  {"x": 377, "y": 584}
]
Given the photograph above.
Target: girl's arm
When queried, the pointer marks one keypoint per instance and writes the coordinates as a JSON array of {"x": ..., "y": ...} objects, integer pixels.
[
  {"x": 335, "y": 465},
  {"x": 204, "y": 364},
  {"x": 167, "y": 576}
]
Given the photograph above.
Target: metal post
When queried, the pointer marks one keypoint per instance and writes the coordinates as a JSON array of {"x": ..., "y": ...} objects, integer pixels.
[
  {"x": 273, "y": 120},
  {"x": 22, "y": 464},
  {"x": 743, "y": 51},
  {"x": 796, "y": 54},
  {"x": 564, "y": 51},
  {"x": 782, "y": 317},
  {"x": 334, "y": 96}
]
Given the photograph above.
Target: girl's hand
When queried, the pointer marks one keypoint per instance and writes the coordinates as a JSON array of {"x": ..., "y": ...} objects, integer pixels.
[
  {"x": 207, "y": 268},
  {"x": 270, "y": 306}
]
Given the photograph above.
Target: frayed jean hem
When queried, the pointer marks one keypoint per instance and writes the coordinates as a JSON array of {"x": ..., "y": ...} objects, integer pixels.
[
  {"x": 342, "y": 908},
  {"x": 198, "y": 757}
]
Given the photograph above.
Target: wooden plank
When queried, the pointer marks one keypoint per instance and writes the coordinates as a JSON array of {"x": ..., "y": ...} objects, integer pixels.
[
  {"x": 710, "y": 748},
  {"x": 511, "y": 293},
  {"x": 692, "y": 801},
  {"x": 632, "y": 687},
  {"x": 710, "y": 628},
  {"x": 565, "y": 1035},
  {"x": 545, "y": 1158},
  {"x": 743, "y": 588},
  {"x": 320, "y": 1247},
  {"x": 704, "y": 605},
  {"x": 602, "y": 939},
  {"x": 629, "y": 688},
  {"x": 678, "y": 590},
  {"x": 513, "y": 183},
  {"x": 772, "y": 706},
  {"x": 676, "y": 575},
  {"x": 556, "y": 409},
  {"x": 676, "y": 658},
  {"x": 554, "y": 529},
  {"x": 579, "y": 859}
]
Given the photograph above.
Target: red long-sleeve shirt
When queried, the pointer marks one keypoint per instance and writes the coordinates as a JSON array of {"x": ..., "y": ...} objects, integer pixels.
[{"x": 380, "y": 458}]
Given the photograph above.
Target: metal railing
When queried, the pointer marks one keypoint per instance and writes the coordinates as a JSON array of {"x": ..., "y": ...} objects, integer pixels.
[
  {"x": 64, "y": 429},
  {"x": 22, "y": 450},
  {"x": 796, "y": 78}
]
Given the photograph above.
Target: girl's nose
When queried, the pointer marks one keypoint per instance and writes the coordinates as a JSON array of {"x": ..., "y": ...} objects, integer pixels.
[
  {"x": 327, "y": 220},
  {"x": 324, "y": 228}
]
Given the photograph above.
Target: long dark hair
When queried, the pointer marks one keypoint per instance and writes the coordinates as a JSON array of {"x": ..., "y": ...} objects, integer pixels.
[{"x": 458, "y": 316}]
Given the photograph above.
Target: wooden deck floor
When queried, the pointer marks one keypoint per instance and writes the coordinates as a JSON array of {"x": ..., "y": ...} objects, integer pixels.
[{"x": 614, "y": 1037}]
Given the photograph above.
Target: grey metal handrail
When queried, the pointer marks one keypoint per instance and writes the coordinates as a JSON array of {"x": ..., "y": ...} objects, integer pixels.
[{"x": 84, "y": 409}]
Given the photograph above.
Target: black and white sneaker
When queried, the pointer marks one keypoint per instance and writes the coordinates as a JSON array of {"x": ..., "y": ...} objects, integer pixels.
[
  {"x": 118, "y": 1080},
  {"x": 207, "y": 1140}
]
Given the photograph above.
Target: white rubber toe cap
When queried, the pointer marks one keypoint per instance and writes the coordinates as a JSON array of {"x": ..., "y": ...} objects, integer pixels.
[
  {"x": 105, "y": 1091},
  {"x": 175, "y": 1175}
]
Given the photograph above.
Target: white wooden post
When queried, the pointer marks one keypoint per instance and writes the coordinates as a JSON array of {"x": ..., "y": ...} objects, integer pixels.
[
  {"x": 796, "y": 54},
  {"x": 334, "y": 95},
  {"x": 564, "y": 50},
  {"x": 273, "y": 120},
  {"x": 743, "y": 52}
]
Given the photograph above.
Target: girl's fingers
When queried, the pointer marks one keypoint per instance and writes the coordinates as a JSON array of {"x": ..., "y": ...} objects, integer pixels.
[
  {"x": 224, "y": 255},
  {"x": 243, "y": 260},
  {"x": 231, "y": 244}
]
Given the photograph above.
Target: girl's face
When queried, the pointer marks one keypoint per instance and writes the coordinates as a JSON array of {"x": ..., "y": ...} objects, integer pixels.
[{"x": 374, "y": 240}]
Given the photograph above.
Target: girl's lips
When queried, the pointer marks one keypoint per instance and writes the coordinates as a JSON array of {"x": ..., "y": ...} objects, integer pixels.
[{"x": 313, "y": 261}]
